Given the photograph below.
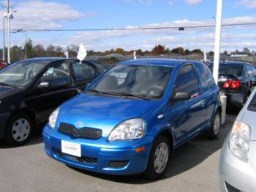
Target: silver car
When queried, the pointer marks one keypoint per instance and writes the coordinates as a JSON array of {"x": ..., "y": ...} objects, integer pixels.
[{"x": 237, "y": 166}]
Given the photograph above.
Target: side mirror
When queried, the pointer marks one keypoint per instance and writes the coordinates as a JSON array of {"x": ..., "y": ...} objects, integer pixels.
[
  {"x": 44, "y": 85},
  {"x": 181, "y": 96}
]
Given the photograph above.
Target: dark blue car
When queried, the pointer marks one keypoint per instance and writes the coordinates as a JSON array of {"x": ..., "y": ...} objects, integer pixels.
[{"x": 131, "y": 118}]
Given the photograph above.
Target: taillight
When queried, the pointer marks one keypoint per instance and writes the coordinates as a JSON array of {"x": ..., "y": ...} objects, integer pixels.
[{"x": 231, "y": 84}]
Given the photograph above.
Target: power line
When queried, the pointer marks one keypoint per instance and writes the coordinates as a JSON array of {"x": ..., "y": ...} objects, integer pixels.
[{"x": 139, "y": 28}]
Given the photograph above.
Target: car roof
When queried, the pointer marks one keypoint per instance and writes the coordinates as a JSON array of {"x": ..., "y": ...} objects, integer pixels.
[
  {"x": 46, "y": 59},
  {"x": 234, "y": 62},
  {"x": 157, "y": 61}
]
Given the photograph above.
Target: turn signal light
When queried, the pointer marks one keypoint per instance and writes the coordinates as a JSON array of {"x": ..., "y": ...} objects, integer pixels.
[{"x": 140, "y": 149}]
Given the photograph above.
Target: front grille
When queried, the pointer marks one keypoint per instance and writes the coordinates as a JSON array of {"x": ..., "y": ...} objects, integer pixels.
[
  {"x": 84, "y": 159},
  {"x": 117, "y": 164},
  {"x": 230, "y": 188},
  {"x": 85, "y": 132}
]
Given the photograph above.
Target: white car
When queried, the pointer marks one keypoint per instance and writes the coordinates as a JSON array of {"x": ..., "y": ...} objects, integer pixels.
[{"x": 237, "y": 166}]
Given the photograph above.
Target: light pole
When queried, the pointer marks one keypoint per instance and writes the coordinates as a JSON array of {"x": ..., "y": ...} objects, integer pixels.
[
  {"x": 8, "y": 31},
  {"x": 217, "y": 40},
  {"x": 4, "y": 16}
]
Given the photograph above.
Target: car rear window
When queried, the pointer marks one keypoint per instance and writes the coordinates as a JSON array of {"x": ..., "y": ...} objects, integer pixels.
[{"x": 231, "y": 69}]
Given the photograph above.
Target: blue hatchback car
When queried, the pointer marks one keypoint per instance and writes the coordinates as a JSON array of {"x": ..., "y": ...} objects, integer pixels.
[{"x": 131, "y": 118}]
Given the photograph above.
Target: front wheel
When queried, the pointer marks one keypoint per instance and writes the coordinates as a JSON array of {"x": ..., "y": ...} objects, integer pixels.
[
  {"x": 18, "y": 130},
  {"x": 158, "y": 159},
  {"x": 214, "y": 130}
]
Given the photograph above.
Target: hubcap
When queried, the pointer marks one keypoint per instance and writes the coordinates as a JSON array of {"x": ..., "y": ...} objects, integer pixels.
[
  {"x": 20, "y": 129},
  {"x": 161, "y": 157},
  {"x": 216, "y": 125}
]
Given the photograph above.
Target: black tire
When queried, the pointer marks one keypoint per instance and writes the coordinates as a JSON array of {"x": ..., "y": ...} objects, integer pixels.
[
  {"x": 158, "y": 159},
  {"x": 18, "y": 130},
  {"x": 214, "y": 130}
]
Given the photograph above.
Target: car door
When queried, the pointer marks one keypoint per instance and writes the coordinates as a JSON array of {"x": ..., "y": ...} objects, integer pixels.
[
  {"x": 186, "y": 116},
  {"x": 82, "y": 73},
  {"x": 53, "y": 88},
  {"x": 209, "y": 90}
]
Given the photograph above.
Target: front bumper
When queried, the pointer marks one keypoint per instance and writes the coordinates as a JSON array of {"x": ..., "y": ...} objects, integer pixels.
[
  {"x": 234, "y": 174},
  {"x": 116, "y": 158}
]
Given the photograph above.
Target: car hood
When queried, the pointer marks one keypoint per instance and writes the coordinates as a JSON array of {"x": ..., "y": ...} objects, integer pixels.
[
  {"x": 248, "y": 117},
  {"x": 103, "y": 112},
  {"x": 5, "y": 91}
]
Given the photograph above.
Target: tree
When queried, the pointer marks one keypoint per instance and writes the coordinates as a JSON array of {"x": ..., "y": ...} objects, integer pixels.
[
  {"x": 119, "y": 51},
  {"x": 39, "y": 50},
  {"x": 197, "y": 51},
  {"x": 246, "y": 50},
  {"x": 158, "y": 50},
  {"x": 139, "y": 52},
  {"x": 72, "y": 50},
  {"x": 225, "y": 52},
  {"x": 211, "y": 53},
  {"x": 17, "y": 53},
  {"x": 29, "y": 48},
  {"x": 50, "y": 50},
  {"x": 187, "y": 52},
  {"x": 179, "y": 50}
]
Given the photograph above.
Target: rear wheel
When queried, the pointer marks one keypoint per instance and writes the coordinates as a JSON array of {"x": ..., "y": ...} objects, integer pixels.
[
  {"x": 18, "y": 130},
  {"x": 214, "y": 130},
  {"x": 159, "y": 158}
]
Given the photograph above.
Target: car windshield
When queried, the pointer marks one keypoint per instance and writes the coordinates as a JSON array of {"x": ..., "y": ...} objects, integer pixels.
[
  {"x": 141, "y": 81},
  {"x": 229, "y": 69},
  {"x": 21, "y": 73}
]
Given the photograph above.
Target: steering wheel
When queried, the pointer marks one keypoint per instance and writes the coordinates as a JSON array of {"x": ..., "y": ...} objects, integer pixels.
[{"x": 155, "y": 90}]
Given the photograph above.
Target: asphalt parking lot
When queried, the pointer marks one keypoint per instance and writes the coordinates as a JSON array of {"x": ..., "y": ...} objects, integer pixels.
[{"x": 193, "y": 168}]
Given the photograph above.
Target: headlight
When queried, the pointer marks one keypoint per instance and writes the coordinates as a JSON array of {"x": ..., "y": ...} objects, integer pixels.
[
  {"x": 239, "y": 141},
  {"x": 130, "y": 129},
  {"x": 53, "y": 118}
]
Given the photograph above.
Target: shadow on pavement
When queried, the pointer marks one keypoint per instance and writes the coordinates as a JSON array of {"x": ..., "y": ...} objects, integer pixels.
[{"x": 185, "y": 157}]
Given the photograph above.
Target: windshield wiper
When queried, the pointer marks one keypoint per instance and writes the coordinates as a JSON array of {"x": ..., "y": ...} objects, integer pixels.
[
  {"x": 124, "y": 94},
  {"x": 95, "y": 91},
  {"x": 5, "y": 84}
]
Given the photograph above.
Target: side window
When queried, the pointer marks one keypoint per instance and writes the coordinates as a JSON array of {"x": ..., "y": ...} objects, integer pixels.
[
  {"x": 83, "y": 71},
  {"x": 206, "y": 75},
  {"x": 57, "y": 75},
  {"x": 246, "y": 71},
  {"x": 253, "y": 70},
  {"x": 186, "y": 80},
  {"x": 250, "y": 70}
]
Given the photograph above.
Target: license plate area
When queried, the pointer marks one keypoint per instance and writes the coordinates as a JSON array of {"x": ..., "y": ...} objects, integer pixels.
[{"x": 71, "y": 148}]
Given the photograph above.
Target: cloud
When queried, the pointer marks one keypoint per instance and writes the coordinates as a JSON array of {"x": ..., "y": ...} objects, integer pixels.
[
  {"x": 37, "y": 14},
  {"x": 191, "y": 38},
  {"x": 193, "y": 2},
  {"x": 247, "y": 3},
  {"x": 140, "y": 1}
]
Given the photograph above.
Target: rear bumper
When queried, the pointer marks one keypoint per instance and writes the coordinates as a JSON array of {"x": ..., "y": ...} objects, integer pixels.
[{"x": 235, "y": 99}]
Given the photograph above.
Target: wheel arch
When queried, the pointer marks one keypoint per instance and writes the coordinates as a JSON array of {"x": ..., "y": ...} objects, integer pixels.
[
  {"x": 166, "y": 133},
  {"x": 23, "y": 111}
]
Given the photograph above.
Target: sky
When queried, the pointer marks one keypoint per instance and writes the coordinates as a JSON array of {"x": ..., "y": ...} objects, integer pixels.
[{"x": 131, "y": 24}]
